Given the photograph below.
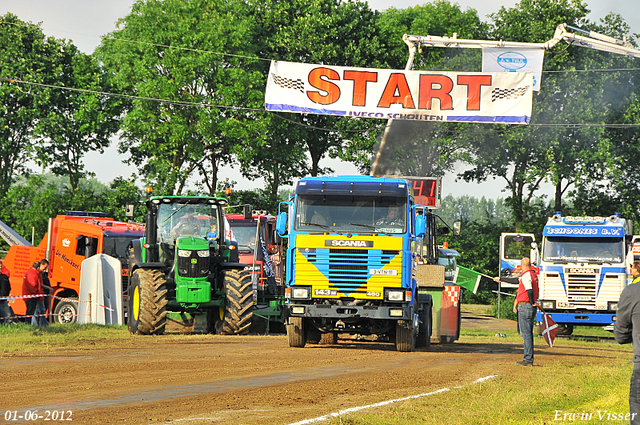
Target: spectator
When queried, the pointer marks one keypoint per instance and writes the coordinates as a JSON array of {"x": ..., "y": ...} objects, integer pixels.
[
  {"x": 4, "y": 270},
  {"x": 32, "y": 285},
  {"x": 525, "y": 306},
  {"x": 5, "y": 290},
  {"x": 627, "y": 329}
]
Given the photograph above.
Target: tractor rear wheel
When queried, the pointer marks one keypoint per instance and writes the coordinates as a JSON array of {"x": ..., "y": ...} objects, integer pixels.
[
  {"x": 238, "y": 306},
  {"x": 147, "y": 302},
  {"x": 296, "y": 333}
]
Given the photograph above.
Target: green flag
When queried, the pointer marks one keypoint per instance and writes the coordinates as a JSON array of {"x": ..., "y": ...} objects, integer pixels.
[{"x": 468, "y": 278}]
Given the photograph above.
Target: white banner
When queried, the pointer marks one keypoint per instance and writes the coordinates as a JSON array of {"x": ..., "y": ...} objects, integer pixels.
[
  {"x": 511, "y": 60},
  {"x": 482, "y": 97}
]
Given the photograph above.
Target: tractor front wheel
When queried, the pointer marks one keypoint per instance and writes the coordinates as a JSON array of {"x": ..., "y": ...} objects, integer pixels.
[
  {"x": 238, "y": 310},
  {"x": 147, "y": 302}
]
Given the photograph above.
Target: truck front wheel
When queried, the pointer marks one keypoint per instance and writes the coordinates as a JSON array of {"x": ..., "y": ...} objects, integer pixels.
[
  {"x": 405, "y": 337},
  {"x": 66, "y": 311},
  {"x": 296, "y": 333}
]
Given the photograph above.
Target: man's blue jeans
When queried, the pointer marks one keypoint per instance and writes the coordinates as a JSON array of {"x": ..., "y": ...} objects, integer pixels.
[
  {"x": 40, "y": 319},
  {"x": 5, "y": 311},
  {"x": 526, "y": 321}
]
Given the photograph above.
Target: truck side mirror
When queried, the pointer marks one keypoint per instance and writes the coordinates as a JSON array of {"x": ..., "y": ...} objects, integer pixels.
[
  {"x": 128, "y": 210},
  {"x": 281, "y": 224},
  {"x": 248, "y": 213},
  {"x": 421, "y": 226},
  {"x": 457, "y": 226}
]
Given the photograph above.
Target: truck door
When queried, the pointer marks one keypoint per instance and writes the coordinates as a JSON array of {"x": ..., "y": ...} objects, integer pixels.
[{"x": 513, "y": 248}]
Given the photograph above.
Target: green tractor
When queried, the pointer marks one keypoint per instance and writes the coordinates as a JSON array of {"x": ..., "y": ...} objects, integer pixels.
[{"x": 186, "y": 272}]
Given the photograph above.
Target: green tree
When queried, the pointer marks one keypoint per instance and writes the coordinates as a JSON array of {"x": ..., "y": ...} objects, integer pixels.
[
  {"x": 524, "y": 156},
  {"x": 424, "y": 148},
  {"x": 328, "y": 32},
  {"x": 191, "y": 54},
  {"x": 25, "y": 55},
  {"x": 77, "y": 122}
]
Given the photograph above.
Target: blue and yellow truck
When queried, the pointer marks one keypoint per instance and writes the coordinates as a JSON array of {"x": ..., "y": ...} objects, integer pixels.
[{"x": 352, "y": 261}]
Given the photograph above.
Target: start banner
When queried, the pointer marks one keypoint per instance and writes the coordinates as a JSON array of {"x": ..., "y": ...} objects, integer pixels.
[{"x": 480, "y": 97}]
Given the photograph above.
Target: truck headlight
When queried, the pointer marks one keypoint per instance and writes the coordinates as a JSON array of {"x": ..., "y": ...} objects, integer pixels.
[
  {"x": 612, "y": 306},
  {"x": 548, "y": 305},
  {"x": 394, "y": 295},
  {"x": 203, "y": 254},
  {"x": 185, "y": 253},
  {"x": 302, "y": 292}
]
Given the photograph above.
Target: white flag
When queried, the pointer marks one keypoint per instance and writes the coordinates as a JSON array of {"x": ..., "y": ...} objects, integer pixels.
[{"x": 514, "y": 60}]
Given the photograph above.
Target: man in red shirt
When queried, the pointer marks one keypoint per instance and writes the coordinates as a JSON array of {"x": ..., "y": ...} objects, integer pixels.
[
  {"x": 526, "y": 306},
  {"x": 32, "y": 285}
]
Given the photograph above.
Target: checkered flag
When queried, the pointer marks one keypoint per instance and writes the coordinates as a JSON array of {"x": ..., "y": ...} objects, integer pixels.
[
  {"x": 288, "y": 83},
  {"x": 499, "y": 94}
]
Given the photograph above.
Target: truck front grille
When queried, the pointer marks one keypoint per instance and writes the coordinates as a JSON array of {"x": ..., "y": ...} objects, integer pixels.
[
  {"x": 582, "y": 289},
  {"x": 348, "y": 269}
]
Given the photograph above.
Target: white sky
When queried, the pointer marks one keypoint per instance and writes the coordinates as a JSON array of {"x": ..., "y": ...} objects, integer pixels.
[{"x": 85, "y": 21}]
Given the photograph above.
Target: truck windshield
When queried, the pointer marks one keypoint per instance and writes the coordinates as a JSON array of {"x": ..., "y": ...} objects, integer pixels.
[
  {"x": 115, "y": 245},
  {"x": 176, "y": 220},
  {"x": 245, "y": 234},
  {"x": 351, "y": 213},
  {"x": 592, "y": 250}
]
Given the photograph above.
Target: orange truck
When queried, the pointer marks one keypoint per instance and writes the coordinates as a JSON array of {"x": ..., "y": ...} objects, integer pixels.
[{"x": 71, "y": 238}]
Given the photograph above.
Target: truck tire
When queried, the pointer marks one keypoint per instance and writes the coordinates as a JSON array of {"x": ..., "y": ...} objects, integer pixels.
[
  {"x": 425, "y": 330},
  {"x": 328, "y": 338},
  {"x": 66, "y": 312},
  {"x": 148, "y": 302},
  {"x": 565, "y": 329},
  {"x": 238, "y": 305},
  {"x": 296, "y": 333},
  {"x": 405, "y": 338}
]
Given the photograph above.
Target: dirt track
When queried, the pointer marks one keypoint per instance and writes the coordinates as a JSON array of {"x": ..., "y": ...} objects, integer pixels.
[{"x": 193, "y": 379}]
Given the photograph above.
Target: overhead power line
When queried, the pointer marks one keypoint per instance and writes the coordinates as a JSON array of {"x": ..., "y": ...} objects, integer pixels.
[{"x": 242, "y": 108}]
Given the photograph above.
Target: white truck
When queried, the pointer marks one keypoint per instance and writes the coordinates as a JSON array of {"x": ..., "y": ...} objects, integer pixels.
[{"x": 583, "y": 269}]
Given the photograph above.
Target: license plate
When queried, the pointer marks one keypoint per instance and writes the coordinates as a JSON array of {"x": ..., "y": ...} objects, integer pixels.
[
  {"x": 383, "y": 272},
  {"x": 326, "y": 292}
]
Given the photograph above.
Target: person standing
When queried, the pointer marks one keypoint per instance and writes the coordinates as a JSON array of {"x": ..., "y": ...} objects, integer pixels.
[
  {"x": 5, "y": 290},
  {"x": 32, "y": 285},
  {"x": 526, "y": 306},
  {"x": 627, "y": 329}
]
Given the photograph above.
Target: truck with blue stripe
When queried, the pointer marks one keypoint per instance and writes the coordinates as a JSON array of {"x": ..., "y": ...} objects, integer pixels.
[
  {"x": 583, "y": 269},
  {"x": 350, "y": 268}
]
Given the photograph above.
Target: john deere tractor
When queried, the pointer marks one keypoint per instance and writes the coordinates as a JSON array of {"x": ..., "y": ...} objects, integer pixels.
[{"x": 186, "y": 272}]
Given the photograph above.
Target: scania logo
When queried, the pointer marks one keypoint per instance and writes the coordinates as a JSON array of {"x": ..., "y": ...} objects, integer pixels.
[
  {"x": 512, "y": 61},
  {"x": 358, "y": 244}
]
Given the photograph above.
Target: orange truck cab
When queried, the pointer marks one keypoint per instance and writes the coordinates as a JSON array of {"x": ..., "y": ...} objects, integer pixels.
[{"x": 71, "y": 239}]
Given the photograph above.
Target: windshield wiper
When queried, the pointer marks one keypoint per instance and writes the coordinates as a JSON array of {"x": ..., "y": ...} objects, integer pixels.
[
  {"x": 324, "y": 226},
  {"x": 363, "y": 225}
]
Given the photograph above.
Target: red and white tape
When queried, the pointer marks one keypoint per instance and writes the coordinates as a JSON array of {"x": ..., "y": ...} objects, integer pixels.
[{"x": 56, "y": 297}]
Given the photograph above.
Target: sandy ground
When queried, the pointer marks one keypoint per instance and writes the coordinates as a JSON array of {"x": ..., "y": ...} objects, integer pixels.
[{"x": 194, "y": 379}]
